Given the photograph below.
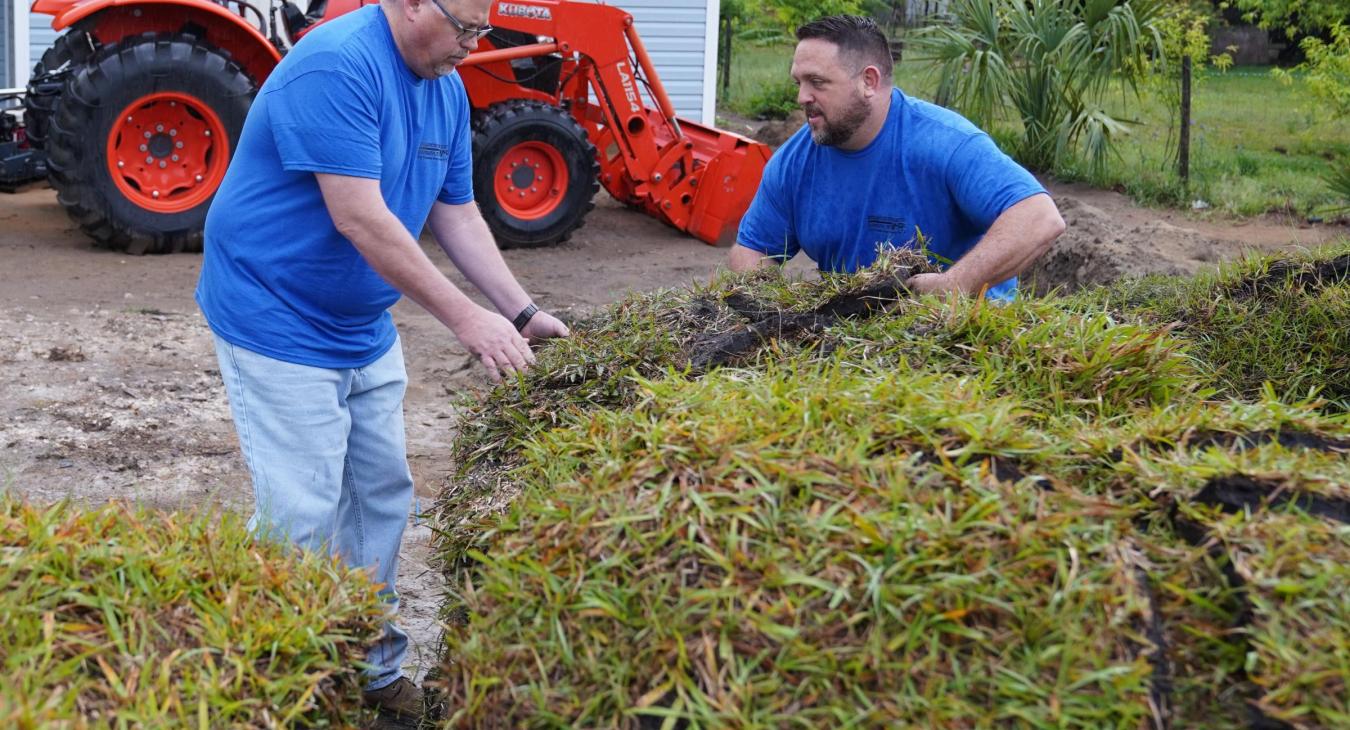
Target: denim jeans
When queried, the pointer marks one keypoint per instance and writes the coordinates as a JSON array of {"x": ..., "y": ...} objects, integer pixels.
[{"x": 330, "y": 472}]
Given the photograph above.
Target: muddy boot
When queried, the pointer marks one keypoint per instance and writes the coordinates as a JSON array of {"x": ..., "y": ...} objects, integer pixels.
[{"x": 399, "y": 705}]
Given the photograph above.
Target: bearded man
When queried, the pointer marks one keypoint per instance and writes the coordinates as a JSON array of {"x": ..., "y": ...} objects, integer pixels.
[{"x": 874, "y": 169}]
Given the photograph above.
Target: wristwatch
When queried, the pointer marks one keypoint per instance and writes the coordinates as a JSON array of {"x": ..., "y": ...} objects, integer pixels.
[{"x": 524, "y": 317}]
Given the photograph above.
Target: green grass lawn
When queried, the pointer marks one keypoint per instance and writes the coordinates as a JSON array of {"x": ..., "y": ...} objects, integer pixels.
[{"x": 1256, "y": 144}]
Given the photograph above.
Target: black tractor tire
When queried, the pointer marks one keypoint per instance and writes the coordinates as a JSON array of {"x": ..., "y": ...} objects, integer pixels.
[
  {"x": 71, "y": 49},
  {"x": 88, "y": 119},
  {"x": 559, "y": 188}
]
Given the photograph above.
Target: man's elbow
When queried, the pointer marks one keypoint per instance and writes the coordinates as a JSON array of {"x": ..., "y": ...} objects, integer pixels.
[
  {"x": 742, "y": 258},
  {"x": 1050, "y": 225}
]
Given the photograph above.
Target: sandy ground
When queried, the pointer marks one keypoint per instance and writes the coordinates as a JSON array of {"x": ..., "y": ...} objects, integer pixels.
[{"x": 110, "y": 387}]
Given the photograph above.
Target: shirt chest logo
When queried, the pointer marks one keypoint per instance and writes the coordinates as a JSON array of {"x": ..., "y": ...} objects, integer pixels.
[
  {"x": 885, "y": 224},
  {"x": 433, "y": 151}
]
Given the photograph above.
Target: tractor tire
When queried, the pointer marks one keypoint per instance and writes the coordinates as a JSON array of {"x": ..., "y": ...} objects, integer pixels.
[
  {"x": 141, "y": 137},
  {"x": 535, "y": 173},
  {"x": 71, "y": 49}
]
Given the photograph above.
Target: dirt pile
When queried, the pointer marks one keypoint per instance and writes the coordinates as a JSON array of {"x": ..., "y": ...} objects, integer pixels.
[{"x": 1097, "y": 248}]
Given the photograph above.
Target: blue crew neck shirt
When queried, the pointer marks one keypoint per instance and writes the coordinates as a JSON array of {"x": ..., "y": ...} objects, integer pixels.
[
  {"x": 277, "y": 278},
  {"x": 929, "y": 171}
]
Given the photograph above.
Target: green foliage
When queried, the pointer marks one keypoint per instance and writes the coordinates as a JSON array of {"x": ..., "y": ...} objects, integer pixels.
[
  {"x": 1326, "y": 71},
  {"x": 1050, "y": 61},
  {"x": 115, "y": 617},
  {"x": 951, "y": 513},
  {"x": 1295, "y": 16},
  {"x": 1338, "y": 181},
  {"x": 774, "y": 101},
  {"x": 793, "y": 13}
]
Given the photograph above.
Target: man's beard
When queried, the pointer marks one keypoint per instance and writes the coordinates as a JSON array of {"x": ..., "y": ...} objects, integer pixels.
[{"x": 833, "y": 134}]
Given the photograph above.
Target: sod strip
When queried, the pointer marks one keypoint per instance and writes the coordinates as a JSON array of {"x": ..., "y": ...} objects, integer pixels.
[
  {"x": 121, "y": 617},
  {"x": 1290, "y": 570}
]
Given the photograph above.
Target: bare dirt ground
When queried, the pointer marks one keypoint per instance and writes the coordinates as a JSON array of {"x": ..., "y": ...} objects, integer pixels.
[{"x": 110, "y": 388}]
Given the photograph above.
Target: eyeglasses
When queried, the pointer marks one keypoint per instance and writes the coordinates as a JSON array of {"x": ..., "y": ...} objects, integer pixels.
[{"x": 465, "y": 33}]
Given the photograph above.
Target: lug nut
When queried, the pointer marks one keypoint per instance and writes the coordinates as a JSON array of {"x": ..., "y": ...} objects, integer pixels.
[
  {"x": 155, "y": 195},
  {"x": 147, "y": 135},
  {"x": 173, "y": 133},
  {"x": 128, "y": 119},
  {"x": 179, "y": 145},
  {"x": 174, "y": 158},
  {"x": 522, "y": 193},
  {"x": 534, "y": 189},
  {"x": 199, "y": 178},
  {"x": 538, "y": 178},
  {"x": 143, "y": 148},
  {"x": 159, "y": 127},
  {"x": 207, "y": 133},
  {"x": 121, "y": 163},
  {"x": 511, "y": 189},
  {"x": 163, "y": 164},
  {"x": 149, "y": 160}
]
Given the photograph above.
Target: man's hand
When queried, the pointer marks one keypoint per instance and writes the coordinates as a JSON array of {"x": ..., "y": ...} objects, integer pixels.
[
  {"x": 496, "y": 343},
  {"x": 933, "y": 283},
  {"x": 543, "y": 326}
]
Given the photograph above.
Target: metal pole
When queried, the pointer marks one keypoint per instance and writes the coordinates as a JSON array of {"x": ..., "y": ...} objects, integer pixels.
[
  {"x": 1184, "y": 148},
  {"x": 726, "y": 57}
]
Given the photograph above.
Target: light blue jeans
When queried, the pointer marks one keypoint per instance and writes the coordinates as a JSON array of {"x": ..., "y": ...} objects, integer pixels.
[{"x": 330, "y": 472}]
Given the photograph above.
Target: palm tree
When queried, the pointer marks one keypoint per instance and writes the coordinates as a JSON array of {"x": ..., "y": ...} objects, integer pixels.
[{"x": 1049, "y": 61}]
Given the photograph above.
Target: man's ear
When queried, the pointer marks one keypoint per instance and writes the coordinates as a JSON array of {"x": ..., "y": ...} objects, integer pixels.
[{"x": 871, "y": 79}]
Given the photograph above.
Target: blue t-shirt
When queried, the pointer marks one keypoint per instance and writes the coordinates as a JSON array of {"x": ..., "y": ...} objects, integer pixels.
[
  {"x": 277, "y": 277},
  {"x": 928, "y": 171}
]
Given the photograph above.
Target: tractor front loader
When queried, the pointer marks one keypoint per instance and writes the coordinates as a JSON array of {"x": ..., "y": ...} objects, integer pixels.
[{"x": 139, "y": 105}]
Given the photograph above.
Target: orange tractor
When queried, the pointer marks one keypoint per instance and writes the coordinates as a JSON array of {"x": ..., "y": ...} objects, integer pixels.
[{"x": 138, "y": 106}]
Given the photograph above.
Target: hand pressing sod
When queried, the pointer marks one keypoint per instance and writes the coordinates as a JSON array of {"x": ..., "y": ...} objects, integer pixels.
[{"x": 495, "y": 342}]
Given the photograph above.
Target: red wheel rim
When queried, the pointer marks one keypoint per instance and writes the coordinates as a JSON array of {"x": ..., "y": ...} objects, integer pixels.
[
  {"x": 167, "y": 152},
  {"x": 530, "y": 180}
]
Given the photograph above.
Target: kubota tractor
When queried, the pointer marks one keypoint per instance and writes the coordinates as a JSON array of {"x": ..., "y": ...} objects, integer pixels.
[{"x": 138, "y": 107}]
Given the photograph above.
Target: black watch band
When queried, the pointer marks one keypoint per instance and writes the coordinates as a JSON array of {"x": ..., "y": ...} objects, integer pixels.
[{"x": 523, "y": 318}]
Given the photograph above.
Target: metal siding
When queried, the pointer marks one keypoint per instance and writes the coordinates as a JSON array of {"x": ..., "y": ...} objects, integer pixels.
[
  {"x": 674, "y": 33},
  {"x": 40, "y": 37},
  {"x": 7, "y": 72}
]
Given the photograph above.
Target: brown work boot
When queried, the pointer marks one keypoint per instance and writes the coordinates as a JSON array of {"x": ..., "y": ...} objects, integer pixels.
[{"x": 399, "y": 705}]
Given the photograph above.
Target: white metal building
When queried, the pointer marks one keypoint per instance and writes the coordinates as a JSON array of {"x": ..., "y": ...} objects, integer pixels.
[{"x": 680, "y": 35}]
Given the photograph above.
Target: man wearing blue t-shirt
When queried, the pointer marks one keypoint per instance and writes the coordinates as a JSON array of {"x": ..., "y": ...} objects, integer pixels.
[
  {"x": 874, "y": 168},
  {"x": 358, "y": 139}
]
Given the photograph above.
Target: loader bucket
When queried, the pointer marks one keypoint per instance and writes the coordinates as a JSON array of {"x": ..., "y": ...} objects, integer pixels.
[
  {"x": 734, "y": 167},
  {"x": 726, "y": 172}
]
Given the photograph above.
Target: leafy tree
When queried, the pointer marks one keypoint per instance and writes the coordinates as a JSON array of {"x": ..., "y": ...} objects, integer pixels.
[
  {"x": 1051, "y": 62},
  {"x": 1326, "y": 71},
  {"x": 1295, "y": 16},
  {"x": 793, "y": 13}
]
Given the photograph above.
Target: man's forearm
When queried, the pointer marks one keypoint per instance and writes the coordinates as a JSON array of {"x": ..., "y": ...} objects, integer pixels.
[
  {"x": 742, "y": 258},
  {"x": 464, "y": 236},
  {"x": 395, "y": 256},
  {"x": 1018, "y": 237}
]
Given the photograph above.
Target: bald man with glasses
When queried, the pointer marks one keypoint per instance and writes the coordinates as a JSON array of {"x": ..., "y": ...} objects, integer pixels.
[{"x": 357, "y": 140}]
